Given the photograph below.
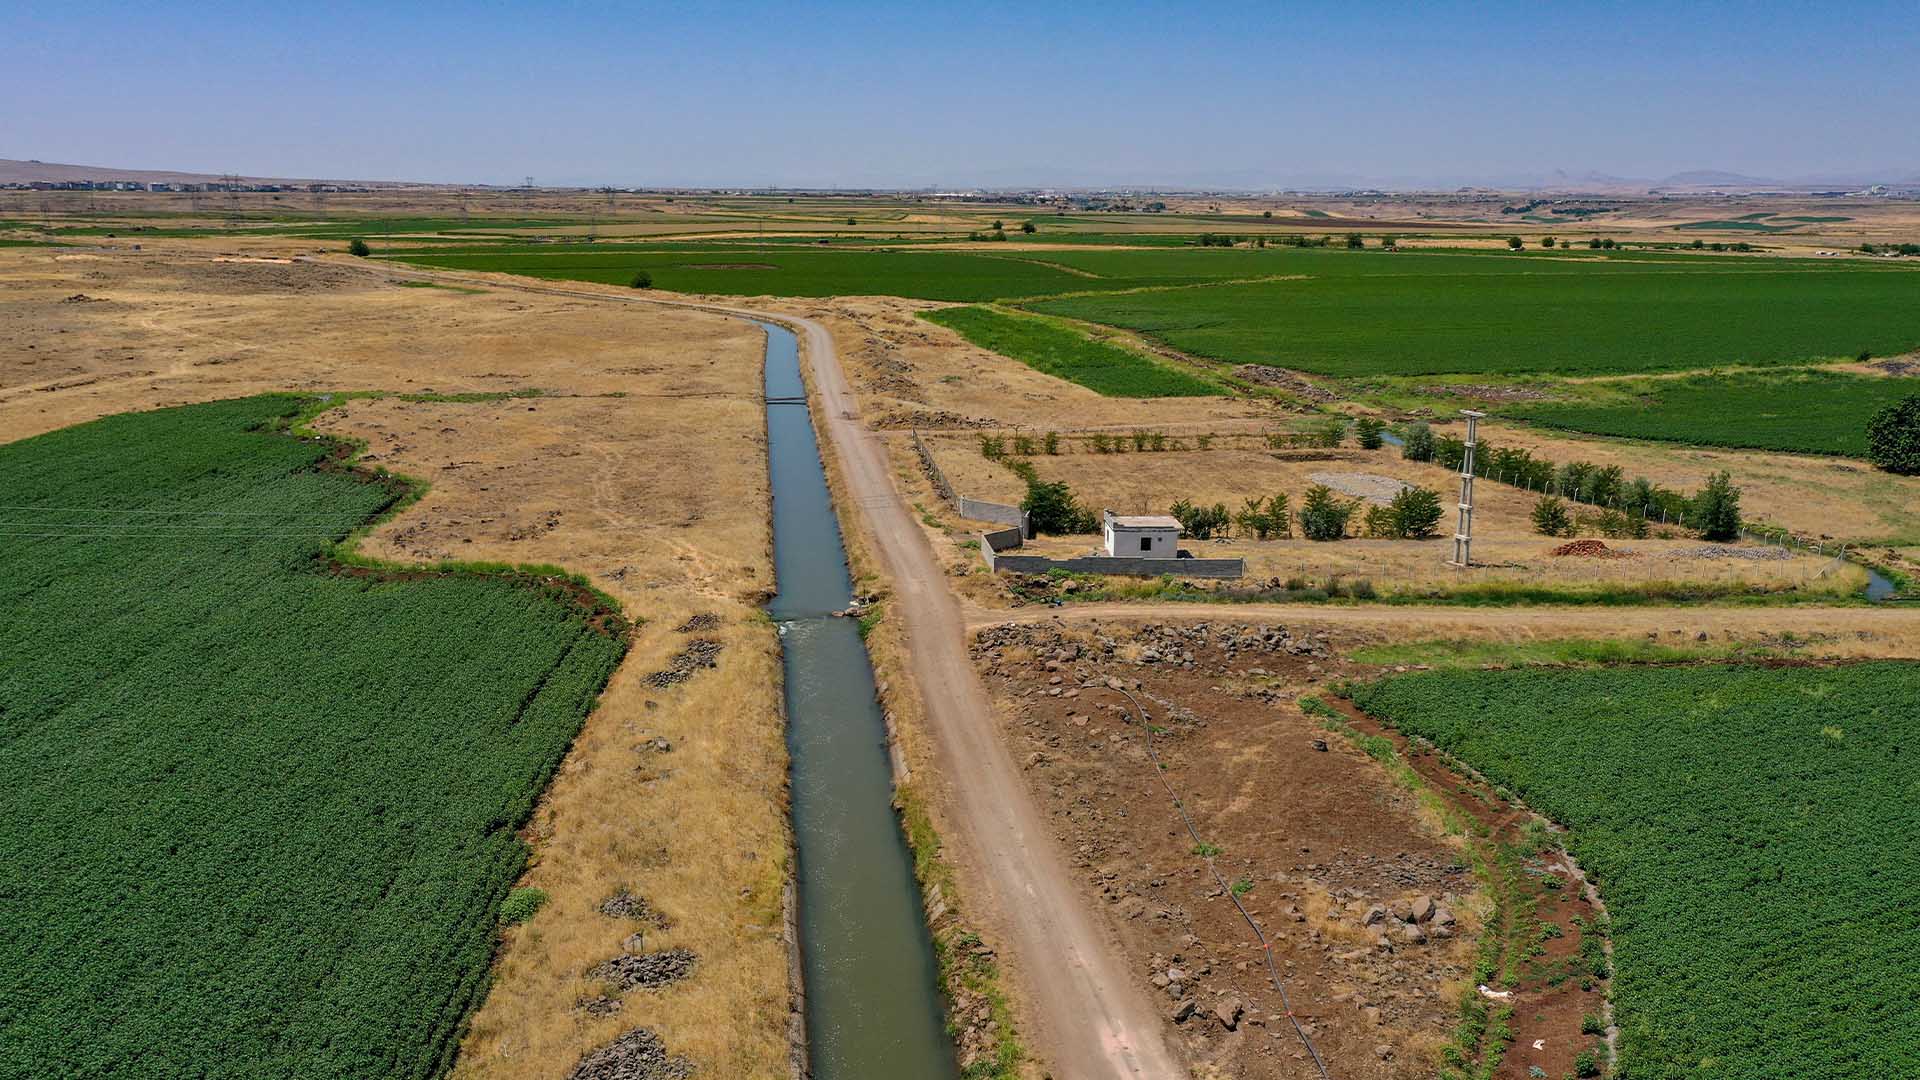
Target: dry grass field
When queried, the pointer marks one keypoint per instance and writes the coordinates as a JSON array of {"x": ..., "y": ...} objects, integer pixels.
[
  {"x": 1507, "y": 550},
  {"x": 641, "y": 465}
]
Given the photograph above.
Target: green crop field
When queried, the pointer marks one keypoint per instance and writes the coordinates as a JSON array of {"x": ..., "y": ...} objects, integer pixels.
[
  {"x": 1068, "y": 354},
  {"x": 1753, "y": 832},
  {"x": 260, "y": 815},
  {"x": 1328, "y": 311},
  {"x": 1425, "y": 314},
  {"x": 1806, "y": 412}
]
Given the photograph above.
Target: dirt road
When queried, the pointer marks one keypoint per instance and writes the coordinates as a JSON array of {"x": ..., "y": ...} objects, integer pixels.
[
  {"x": 1091, "y": 1021},
  {"x": 1886, "y": 630}
]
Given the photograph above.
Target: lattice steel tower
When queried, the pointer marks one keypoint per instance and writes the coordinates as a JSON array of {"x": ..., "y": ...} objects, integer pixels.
[{"x": 1463, "y": 536}]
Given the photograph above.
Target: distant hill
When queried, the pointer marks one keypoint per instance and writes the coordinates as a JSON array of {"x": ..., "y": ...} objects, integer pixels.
[{"x": 29, "y": 172}]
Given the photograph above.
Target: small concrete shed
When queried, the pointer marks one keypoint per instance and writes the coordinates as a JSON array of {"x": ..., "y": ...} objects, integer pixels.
[{"x": 1146, "y": 536}]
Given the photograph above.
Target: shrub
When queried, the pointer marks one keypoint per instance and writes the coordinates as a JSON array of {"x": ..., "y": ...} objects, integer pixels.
[
  {"x": 358, "y": 247},
  {"x": 1323, "y": 516},
  {"x": 1514, "y": 243},
  {"x": 642, "y": 280},
  {"x": 1612, "y": 524},
  {"x": 1449, "y": 451},
  {"x": 520, "y": 905},
  {"x": 993, "y": 447},
  {"x": 1715, "y": 511},
  {"x": 1418, "y": 443},
  {"x": 1591, "y": 1024},
  {"x": 1200, "y": 522},
  {"x": 1100, "y": 443},
  {"x": 1028, "y": 228},
  {"x": 1415, "y": 513},
  {"x": 1550, "y": 517},
  {"x": 1379, "y": 523},
  {"x": 1023, "y": 444},
  {"x": 1585, "y": 1064},
  {"x": 1355, "y": 240},
  {"x": 1051, "y": 444},
  {"x": 1367, "y": 432},
  {"x": 1331, "y": 433},
  {"x": 1893, "y": 437}
]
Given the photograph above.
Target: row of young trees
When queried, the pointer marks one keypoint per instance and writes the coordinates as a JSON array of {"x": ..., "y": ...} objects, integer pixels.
[
  {"x": 1714, "y": 511},
  {"x": 1413, "y": 514}
]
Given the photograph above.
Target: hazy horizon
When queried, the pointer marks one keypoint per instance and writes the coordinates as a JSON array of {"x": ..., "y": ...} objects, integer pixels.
[{"x": 1127, "y": 95}]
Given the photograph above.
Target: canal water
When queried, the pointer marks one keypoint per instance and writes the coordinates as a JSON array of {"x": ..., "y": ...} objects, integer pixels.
[{"x": 873, "y": 1005}]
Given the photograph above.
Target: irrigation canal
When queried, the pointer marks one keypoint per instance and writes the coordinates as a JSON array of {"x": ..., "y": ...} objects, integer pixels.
[{"x": 873, "y": 1004}]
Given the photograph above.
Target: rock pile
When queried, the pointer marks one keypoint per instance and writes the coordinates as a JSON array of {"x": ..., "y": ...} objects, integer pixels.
[
  {"x": 637, "y": 1055},
  {"x": 645, "y": 969},
  {"x": 699, "y": 653}
]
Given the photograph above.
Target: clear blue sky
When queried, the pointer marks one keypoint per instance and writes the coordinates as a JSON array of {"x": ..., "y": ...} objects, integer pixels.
[{"x": 972, "y": 93}]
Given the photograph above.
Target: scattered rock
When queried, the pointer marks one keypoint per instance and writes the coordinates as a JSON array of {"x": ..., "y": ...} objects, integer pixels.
[
  {"x": 705, "y": 620},
  {"x": 626, "y": 905},
  {"x": 1182, "y": 1011},
  {"x": 1423, "y": 907},
  {"x": 1228, "y": 1010}
]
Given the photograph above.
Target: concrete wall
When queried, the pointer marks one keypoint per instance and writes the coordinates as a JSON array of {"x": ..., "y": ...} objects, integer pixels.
[
  {"x": 998, "y": 513},
  {"x": 1101, "y": 564},
  {"x": 971, "y": 509},
  {"x": 1001, "y": 540}
]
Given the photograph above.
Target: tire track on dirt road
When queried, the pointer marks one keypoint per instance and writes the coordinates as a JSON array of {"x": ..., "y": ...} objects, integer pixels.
[{"x": 1089, "y": 1020}]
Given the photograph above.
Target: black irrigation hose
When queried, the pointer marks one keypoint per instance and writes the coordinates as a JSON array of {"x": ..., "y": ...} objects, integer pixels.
[{"x": 1266, "y": 947}]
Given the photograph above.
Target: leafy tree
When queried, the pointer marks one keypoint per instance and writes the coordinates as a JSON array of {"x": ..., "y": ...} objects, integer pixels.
[
  {"x": 1355, "y": 240},
  {"x": 1390, "y": 242},
  {"x": 1200, "y": 522},
  {"x": 1514, "y": 243},
  {"x": 1698, "y": 245},
  {"x": 1266, "y": 520},
  {"x": 999, "y": 226},
  {"x": 358, "y": 247},
  {"x": 1418, "y": 444},
  {"x": 1028, "y": 227},
  {"x": 642, "y": 280},
  {"x": 1054, "y": 509},
  {"x": 1893, "y": 437},
  {"x": 1266, "y": 214},
  {"x": 1547, "y": 241},
  {"x": 1323, "y": 516},
  {"x": 1603, "y": 487},
  {"x": 1715, "y": 511},
  {"x": 1550, "y": 517},
  {"x": 851, "y": 221},
  {"x": 1575, "y": 478},
  {"x": 1594, "y": 243},
  {"x": 1367, "y": 432},
  {"x": 1415, "y": 512},
  {"x": 1607, "y": 243}
]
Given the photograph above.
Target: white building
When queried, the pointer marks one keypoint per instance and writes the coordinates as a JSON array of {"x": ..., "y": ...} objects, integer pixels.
[{"x": 1150, "y": 536}]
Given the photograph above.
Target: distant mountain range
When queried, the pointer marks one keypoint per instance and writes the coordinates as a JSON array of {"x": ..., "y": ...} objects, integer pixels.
[{"x": 1698, "y": 181}]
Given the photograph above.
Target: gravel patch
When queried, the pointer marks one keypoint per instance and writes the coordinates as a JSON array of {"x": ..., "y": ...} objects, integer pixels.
[{"x": 1369, "y": 486}]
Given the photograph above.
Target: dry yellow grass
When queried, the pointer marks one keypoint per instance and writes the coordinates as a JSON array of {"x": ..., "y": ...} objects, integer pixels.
[
  {"x": 659, "y": 496},
  {"x": 1506, "y": 548}
]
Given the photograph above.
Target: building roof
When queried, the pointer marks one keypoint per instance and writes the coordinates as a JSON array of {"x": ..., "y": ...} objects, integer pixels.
[{"x": 1144, "y": 521}]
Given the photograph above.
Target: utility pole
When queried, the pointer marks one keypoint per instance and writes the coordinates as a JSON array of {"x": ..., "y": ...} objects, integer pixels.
[{"x": 1463, "y": 536}]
